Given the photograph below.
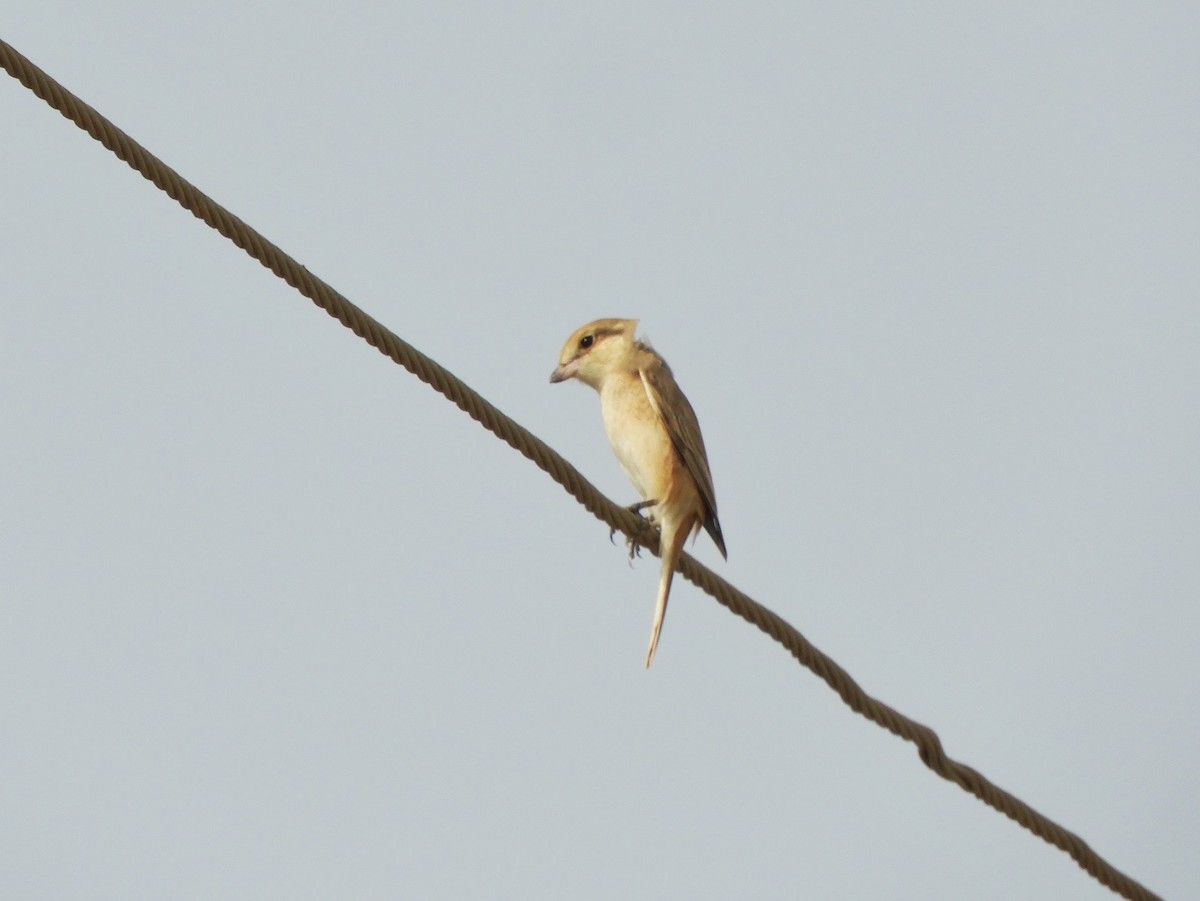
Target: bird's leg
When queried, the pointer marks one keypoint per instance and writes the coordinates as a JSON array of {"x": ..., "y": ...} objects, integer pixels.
[{"x": 635, "y": 549}]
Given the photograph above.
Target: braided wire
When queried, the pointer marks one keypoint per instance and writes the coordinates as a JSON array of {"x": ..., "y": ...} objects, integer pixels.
[{"x": 929, "y": 746}]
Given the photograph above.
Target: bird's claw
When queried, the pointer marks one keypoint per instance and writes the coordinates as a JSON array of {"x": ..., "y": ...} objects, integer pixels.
[{"x": 635, "y": 549}]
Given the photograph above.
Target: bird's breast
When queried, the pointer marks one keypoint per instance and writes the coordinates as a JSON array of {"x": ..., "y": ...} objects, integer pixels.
[{"x": 638, "y": 436}]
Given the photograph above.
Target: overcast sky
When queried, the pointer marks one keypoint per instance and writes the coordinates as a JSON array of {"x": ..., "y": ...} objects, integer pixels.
[{"x": 277, "y": 621}]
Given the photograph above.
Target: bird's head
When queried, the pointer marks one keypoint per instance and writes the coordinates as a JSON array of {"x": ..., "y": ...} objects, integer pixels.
[{"x": 594, "y": 351}]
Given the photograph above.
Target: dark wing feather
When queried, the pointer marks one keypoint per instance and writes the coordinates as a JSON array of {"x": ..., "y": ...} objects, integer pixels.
[{"x": 683, "y": 427}]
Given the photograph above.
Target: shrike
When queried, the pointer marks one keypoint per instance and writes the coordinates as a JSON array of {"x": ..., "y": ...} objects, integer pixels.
[{"x": 655, "y": 435}]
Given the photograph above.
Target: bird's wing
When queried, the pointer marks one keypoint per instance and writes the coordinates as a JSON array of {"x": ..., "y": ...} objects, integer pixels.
[{"x": 677, "y": 414}]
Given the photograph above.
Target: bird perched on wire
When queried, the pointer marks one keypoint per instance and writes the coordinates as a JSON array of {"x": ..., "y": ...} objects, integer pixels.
[{"x": 655, "y": 436}]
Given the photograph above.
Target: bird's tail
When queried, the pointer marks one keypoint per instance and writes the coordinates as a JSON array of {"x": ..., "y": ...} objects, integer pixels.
[{"x": 671, "y": 544}]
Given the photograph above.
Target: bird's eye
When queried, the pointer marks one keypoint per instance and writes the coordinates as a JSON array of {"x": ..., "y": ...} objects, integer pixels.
[{"x": 586, "y": 341}]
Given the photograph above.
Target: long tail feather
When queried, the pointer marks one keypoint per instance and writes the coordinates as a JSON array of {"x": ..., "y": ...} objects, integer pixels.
[
  {"x": 671, "y": 542},
  {"x": 660, "y": 609}
]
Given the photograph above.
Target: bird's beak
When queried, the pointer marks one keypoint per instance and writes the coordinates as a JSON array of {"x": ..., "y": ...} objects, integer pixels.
[{"x": 563, "y": 372}]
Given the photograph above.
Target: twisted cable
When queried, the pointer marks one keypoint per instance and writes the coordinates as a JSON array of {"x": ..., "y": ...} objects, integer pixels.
[{"x": 929, "y": 746}]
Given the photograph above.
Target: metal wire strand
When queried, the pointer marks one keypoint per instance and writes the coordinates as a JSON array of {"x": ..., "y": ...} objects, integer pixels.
[{"x": 929, "y": 747}]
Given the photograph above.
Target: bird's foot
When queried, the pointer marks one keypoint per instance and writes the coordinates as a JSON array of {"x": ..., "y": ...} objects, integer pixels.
[{"x": 635, "y": 549}]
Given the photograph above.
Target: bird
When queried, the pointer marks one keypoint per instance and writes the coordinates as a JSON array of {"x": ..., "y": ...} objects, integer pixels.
[{"x": 655, "y": 436}]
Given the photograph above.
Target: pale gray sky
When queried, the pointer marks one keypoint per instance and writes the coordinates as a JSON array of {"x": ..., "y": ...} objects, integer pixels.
[{"x": 276, "y": 621}]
